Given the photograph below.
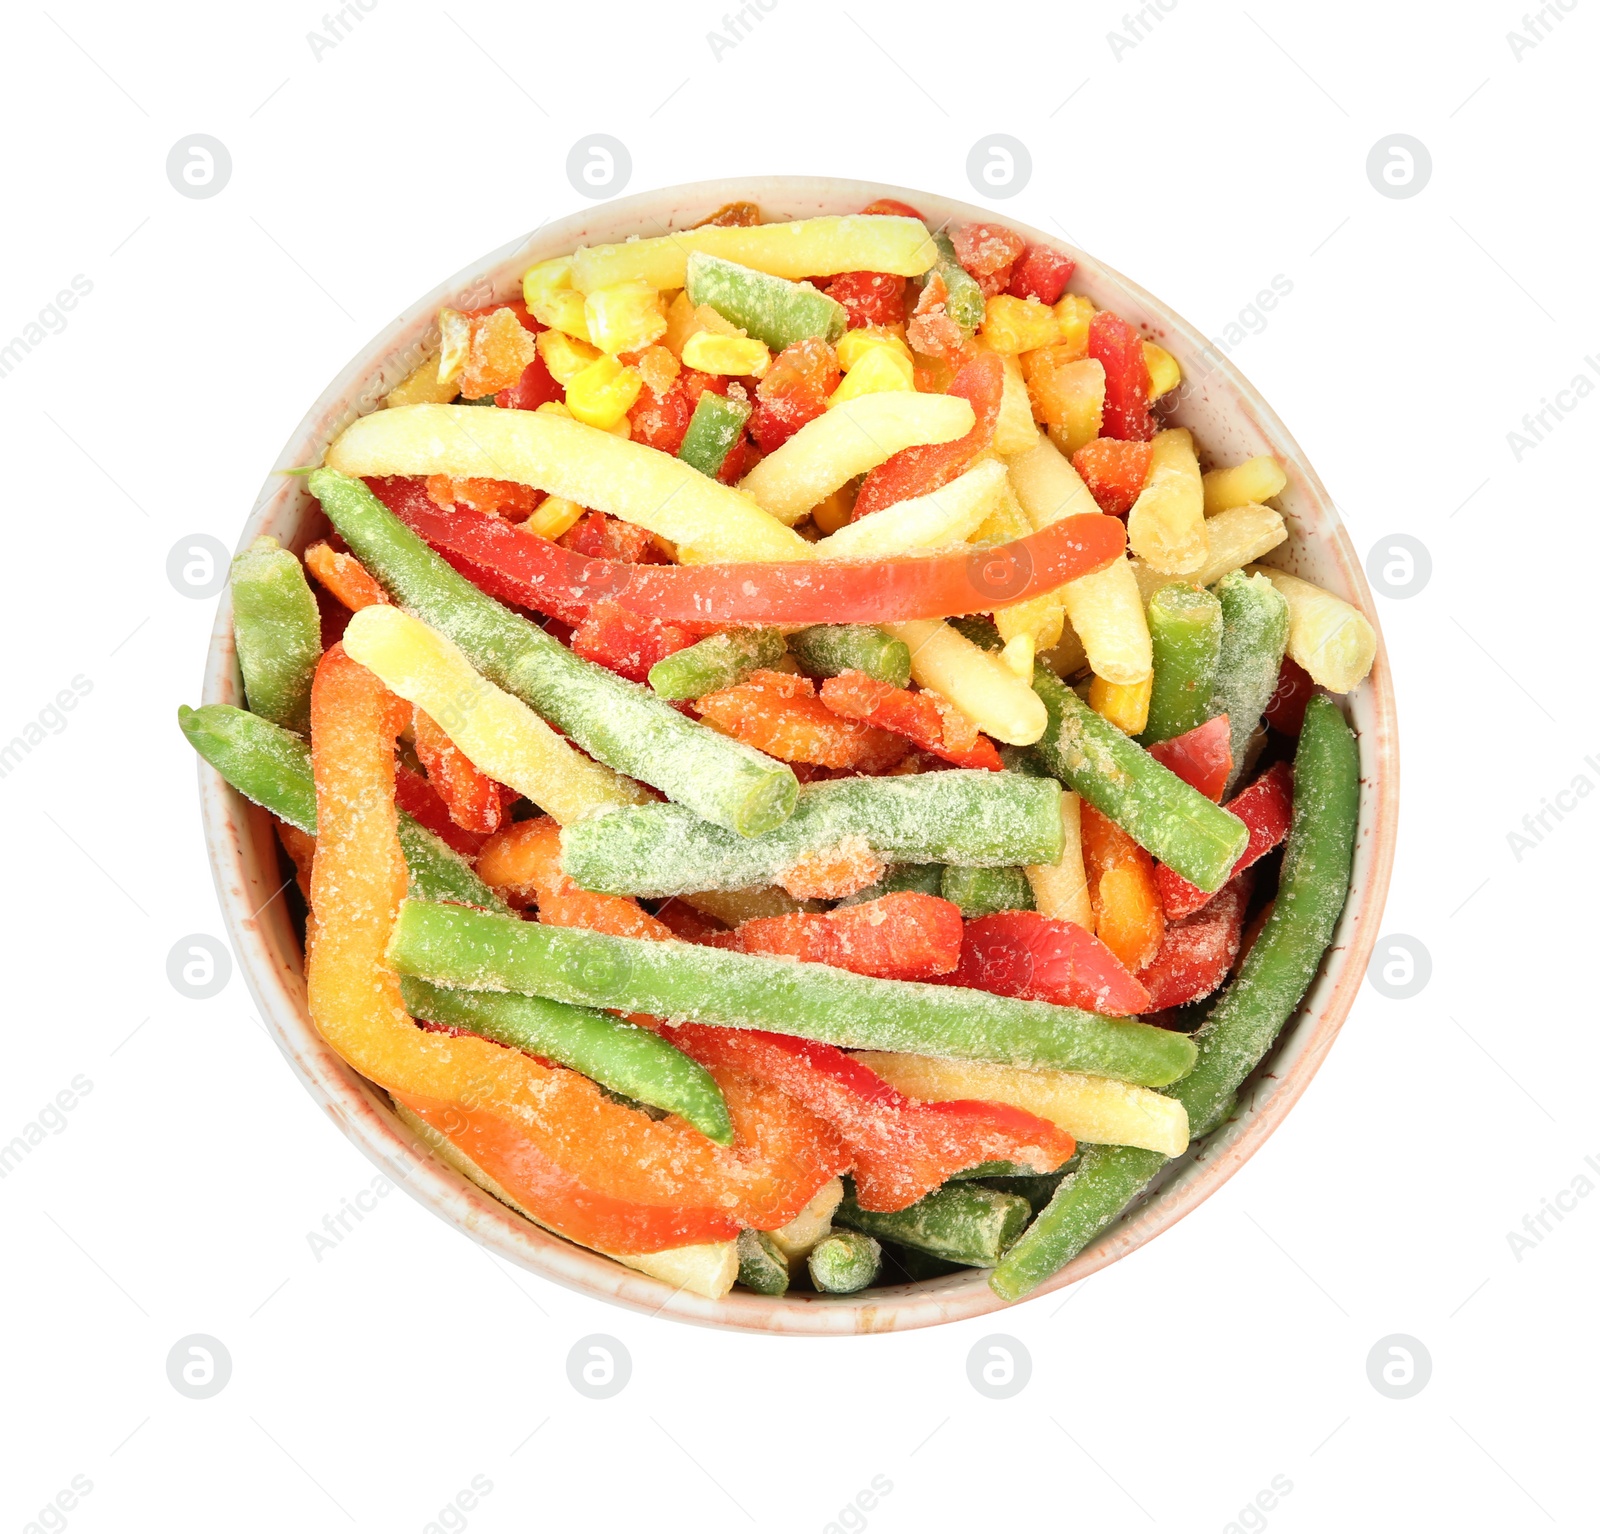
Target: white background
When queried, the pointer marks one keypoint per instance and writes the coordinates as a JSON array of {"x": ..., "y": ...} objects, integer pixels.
[{"x": 372, "y": 1386}]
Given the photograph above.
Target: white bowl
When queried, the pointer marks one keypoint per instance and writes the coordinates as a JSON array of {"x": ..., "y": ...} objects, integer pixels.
[{"x": 1231, "y": 422}]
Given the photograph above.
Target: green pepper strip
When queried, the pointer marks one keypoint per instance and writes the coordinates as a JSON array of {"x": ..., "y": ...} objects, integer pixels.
[
  {"x": 623, "y": 725},
  {"x": 844, "y": 1262},
  {"x": 772, "y": 309},
  {"x": 828, "y": 649},
  {"x": 620, "y": 1055},
  {"x": 454, "y": 946},
  {"x": 961, "y": 1222},
  {"x": 277, "y": 633},
  {"x": 713, "y": 429},
  {"x": 1185, "y": 636},
  {"x": 1247, "y": 1018},
  {"x": 984, "y": 891},
  {"x": 717, "y": 661},
  {"x": 272, "y": 767},
  {"x": 1178, "y": 824}
]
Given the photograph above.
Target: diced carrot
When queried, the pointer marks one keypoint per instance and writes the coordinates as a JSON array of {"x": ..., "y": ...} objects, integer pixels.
[
  {"x": 893, "y": 207},
  {"x": 780, "y": 714},
  {"x": 922, "y": 717},
  {"x": 1122, "y": 890},
  {"x": 834, "y": 872},
  {"x": 493, "y": 497},
  {"x": 904, "y": 936}
]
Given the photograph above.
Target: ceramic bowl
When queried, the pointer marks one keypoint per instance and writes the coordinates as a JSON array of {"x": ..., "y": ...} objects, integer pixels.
[{"x": 1231, "y": 422}]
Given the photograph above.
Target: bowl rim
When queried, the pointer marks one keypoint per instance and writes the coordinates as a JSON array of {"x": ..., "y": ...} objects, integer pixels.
[{"x": 242, "y": 849}]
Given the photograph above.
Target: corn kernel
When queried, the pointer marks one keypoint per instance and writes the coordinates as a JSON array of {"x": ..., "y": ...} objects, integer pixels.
[
  {"x": 564, "y": 356},
  {"x": 563, "y": 309},
  {"x": 1073, "y": 313},
  {"x": 741, "y": 356},
  {"x": 1165, "y": 374},
  {"x": 455, "y": 342},
  {"x": 832, "y": 514},
  {"x": 1124, "y": 704},
  {"x": 553, "y": 517},
  {"x": 422, "y": 387},
  {"x": 1017, "y": 324},
  {"x": 601, "y": 394},
  {"x": 855, "y": 344},
  {"x": 625, "y": 317},
  {"x": 1017, "y": 656},
  {"x": 881, "y": 370},
  {"x": 623, "y": 428},
  {"x": 547, "y": 277}
]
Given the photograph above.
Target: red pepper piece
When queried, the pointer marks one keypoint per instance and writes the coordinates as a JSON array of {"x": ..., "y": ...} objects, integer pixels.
[
  {"x": 742, "y": 457},
  {"x": 536, "y": 387},
  {"x": 627, "y": 642},
  {"x": 794, "y": 391},
  {"x": 1021, "y": 953},
  {"x": 904, "y": 936},
  {"x": 916, "y": 715},
  {"x": 902, "y": 1149},
  {"x": 1114, "y": 471},
  {"x": 689, "y": 925},
  {"x": 414, "y": 794},
  {"x": 1119, "y": 349},
  {"x": 980, "y": 381},
  {"x": 525, "y": 571},
  {"x": 598, "y": 536},
  {"x": 1197, "y": 952},
  {"x": 870, "y": 298},
  {"x": 1286, "y": 709},
  {"x": 473, "y": 801},
  {"x": 892, "y": 206},
  {"x": 1041, "y": 273},
  {"x": 988, "y": 252},
  {"x": 1202, "y": 757},
  {"x": 1265, "y": 807}
]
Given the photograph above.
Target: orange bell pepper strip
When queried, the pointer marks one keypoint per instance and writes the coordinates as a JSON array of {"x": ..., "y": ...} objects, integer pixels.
[
  {"x": 474, "y": 801},
  {"x": 358, "y": 880},
  {"x": 344, "y": 576},
  {"x": 781, "y": 714},
  {"x": 1122, "y": 890},
  {"x": 903, "y": 936},
  {"x": 414, "y": 794},
  {"x": 925, "y": 719}
]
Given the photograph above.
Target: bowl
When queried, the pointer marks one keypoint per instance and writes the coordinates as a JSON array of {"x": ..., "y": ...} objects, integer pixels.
[{"x": 1231, "y": 421}]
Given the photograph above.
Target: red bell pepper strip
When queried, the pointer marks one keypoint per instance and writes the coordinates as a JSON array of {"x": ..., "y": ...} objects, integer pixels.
[
  {"x": 627, "y": 642},
  {"x": 794, "y": 391},
  {"x": 414, "y": 794},
  {"x": 1265, "y": 808},
  {"x": 893, "y": 207},
  {"x": 902, "y": 1149},
  {"x": 536, "y": 387},
  {"x": 597, "y": 536},
  {"x": 532, "y": 572},
  {"x": 1114, "y": 471},
  {"x": 980, "y": 381},
  {"x": 869, "y": 298},
  {"x": 904, "y": 936},
  {"x": 1119, "y": 349},
  {"x": 1021, "y": 953},
  {"x": 472, "y": 800},
  {"x": 1041, "y": 273},
  {"x": 1202, "y": 757},
  {"x": 916, "y": 715},
  {"x": 1197, "y": 952},
  {"x": 1286, "y": 708}
]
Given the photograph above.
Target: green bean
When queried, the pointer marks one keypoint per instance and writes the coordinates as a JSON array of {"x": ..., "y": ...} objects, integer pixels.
[
  {"x": 628, "y": 1059},
  {"x": 980, "y": 630},
  {"x": 961, "y": 1222},
  {"x": 714, "y": 427},
  {"x": 762, "y": 1267},
  {"x": 474, "y": 950},
  {"x": 1037, "y": 1187},
  {"x": 1185, "y": 636},
  {"x": 828, "y": 649},
  {"x": 1178, "y": 824},
  {"x": 965, "y": 301},
  {"x": 844, "y": 1261},
  {"x": 1312, "y": 887},
  {"x": 616, "y": 722},
  {"x": 922, "y": 878},
  {"x": 905, "y": 1264},
  {"x": 964, "y": 816},
  {"x": 772, "y": 309},
  {"x": 277, "y": 633},
  {"x": 1255, "y": 630},
  {"x": 718, "y": 661},
  {"x": 984, "y": 891},
  {"x": 272, "y": 767}
]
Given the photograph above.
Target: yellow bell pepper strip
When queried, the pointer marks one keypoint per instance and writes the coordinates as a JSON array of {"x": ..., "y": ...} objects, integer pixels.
[
  {"x": 357, "y": 887},
  {"x": 277, "y": 634},
  {"x": 619, "y": 724},
  {"x": 499, "y": 734}
]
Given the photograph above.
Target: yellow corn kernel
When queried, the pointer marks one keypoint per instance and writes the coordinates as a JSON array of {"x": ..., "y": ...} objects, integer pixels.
[
  {"x": 741, "y": 356},
  {"x": 1018, "y": 656},
  {"x": 623, "y": 428},
  {"x": 555, "y": 514},
  {"x": 1165, "y": 374},
  {"x": 680, "y": 323},
  {"x": 832, "y": 514},
  {"x": 455, "y": 342},
  {"x": 881, "y": 370},
  {"x": 601, "y": 394},
  {"x": 421, "y": 386},
  {"x": 1017, "y": 324},
  {"x": 626, "y": 317},
  {"x": 1124, "y": 704},
  {"x": 565, "y": 310},
  {"x": 1249, "y": 483},
  {"x": 855, "y": 344},
  {"x": 548, "y": 277},
  {"x": 565, "y": 356},
  {"x": 1073, "y": 313}
]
